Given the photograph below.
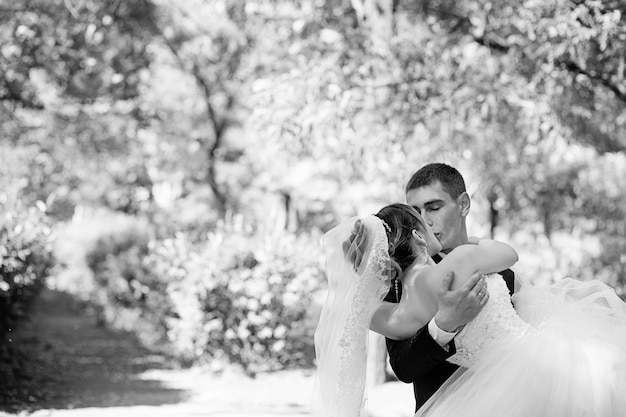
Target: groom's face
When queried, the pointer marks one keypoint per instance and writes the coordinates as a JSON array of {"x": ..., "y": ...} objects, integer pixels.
[{"x": 441, "y": 212}]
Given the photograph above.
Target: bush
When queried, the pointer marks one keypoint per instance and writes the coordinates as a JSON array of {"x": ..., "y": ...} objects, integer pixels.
[
  {"x": 25, "y": 261},
  {"x": 244, "y": 297},
  {"x": 116, "y": 261},
  {"x": 102, "y": 253},
  {"x": 240, "y": 296}
]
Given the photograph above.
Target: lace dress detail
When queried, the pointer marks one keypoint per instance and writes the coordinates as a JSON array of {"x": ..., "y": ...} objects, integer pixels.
[{"x": 496, "y": 320}]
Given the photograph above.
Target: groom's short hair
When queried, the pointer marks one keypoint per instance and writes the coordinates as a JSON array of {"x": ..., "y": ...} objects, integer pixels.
[{"x": 451, "y": 180}]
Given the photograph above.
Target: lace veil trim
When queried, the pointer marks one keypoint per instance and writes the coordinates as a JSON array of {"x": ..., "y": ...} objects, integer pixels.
[{"x": 342, "y": 333}]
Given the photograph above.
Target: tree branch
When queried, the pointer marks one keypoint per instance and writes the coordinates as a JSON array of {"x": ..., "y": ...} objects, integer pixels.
[
  {"x": 570, "y": 66},
  {"x": 573, "y": 67},
  {"x": 492, "y": 44}
]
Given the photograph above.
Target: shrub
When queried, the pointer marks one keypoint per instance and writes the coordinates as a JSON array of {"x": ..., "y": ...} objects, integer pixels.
[
  {"x": 243, "y": 297},
  {"x": 25, "y": 261},
  {"x": 240, "y": 296},
  {"x": 102, "y": 252}
]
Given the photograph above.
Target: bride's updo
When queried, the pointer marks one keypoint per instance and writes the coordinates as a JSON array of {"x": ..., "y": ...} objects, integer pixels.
[{"x": 399, "y": 221}]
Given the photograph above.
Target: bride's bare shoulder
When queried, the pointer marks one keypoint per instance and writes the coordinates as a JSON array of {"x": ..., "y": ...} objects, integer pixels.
[
  {"x": 423, "y": 281},
  {"x": 430, "y": 277}
]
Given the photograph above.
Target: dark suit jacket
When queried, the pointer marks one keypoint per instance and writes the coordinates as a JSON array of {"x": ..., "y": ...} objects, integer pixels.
[{"x": 420, "y": 360}]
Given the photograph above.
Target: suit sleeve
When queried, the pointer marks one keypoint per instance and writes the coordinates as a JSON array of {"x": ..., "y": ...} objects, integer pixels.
[
  {"x": 413, "y": 358},
  {"x": 509, "y": 278}
]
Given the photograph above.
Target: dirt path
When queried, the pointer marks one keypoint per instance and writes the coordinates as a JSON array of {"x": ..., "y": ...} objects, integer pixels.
[
  {"x": 72, "y": 367},
  {"x": 70, "y": 362}
]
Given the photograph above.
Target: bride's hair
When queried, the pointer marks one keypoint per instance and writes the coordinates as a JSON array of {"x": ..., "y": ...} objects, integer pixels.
[{"x": 401, "y": 219}]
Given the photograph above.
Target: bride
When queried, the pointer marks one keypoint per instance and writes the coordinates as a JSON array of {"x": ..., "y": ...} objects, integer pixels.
[{"x": 560, "y": 352}]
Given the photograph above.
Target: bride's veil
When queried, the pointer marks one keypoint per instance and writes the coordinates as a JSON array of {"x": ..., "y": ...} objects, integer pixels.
[{"x": 354, "y": 293}]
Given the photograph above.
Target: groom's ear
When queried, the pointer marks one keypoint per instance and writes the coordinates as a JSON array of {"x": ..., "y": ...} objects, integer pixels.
[{"x": 464, "y": 203}]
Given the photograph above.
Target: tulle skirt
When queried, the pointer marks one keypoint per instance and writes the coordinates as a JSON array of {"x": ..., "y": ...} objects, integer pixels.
[{"x": 572, "y": 363}]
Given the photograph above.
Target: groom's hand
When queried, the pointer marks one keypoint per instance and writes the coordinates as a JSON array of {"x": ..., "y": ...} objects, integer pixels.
[{"x": 457, "y": 307}]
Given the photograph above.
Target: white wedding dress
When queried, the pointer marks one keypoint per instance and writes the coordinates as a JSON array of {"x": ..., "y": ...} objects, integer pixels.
[{"x": 561, "y": 352}]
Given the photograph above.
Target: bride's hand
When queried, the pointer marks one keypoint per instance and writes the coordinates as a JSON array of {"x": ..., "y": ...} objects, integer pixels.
[{"x": 354, "y": 247}]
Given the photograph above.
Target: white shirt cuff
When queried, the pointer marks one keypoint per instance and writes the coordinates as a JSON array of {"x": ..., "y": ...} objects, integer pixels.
[{"x": 441, "y": 337}]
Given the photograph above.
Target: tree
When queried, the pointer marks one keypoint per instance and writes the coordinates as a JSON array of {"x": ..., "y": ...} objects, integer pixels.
[{"x": 211, "y": 55}]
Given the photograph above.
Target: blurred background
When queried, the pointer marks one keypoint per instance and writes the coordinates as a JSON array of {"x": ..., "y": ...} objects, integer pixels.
[{"x": 170, "y": 166}]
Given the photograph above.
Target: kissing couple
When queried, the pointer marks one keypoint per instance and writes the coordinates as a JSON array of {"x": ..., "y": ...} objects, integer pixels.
[{"x": 474, "y": 339}]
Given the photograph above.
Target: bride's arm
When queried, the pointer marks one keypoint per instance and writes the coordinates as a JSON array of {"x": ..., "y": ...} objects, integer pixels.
[
  {"x": 401, "y": 320},
  {"x": 486, "y": 255},
  {"x": 395, "y": 321}
]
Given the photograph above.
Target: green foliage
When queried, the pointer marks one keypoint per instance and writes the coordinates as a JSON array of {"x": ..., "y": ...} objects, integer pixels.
[
  {"x": 246, "y": 303},
  {"x": 115, "y": 261},
  {"x": 69, "y": 83},
  {"x": 102, "y": 252},
  {"x": 85, "y": 52},
  {"x": 25, "y": 262}
]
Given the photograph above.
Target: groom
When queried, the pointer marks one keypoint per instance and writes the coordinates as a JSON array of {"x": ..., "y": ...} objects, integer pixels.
[{"x": 438, "y": 192}]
